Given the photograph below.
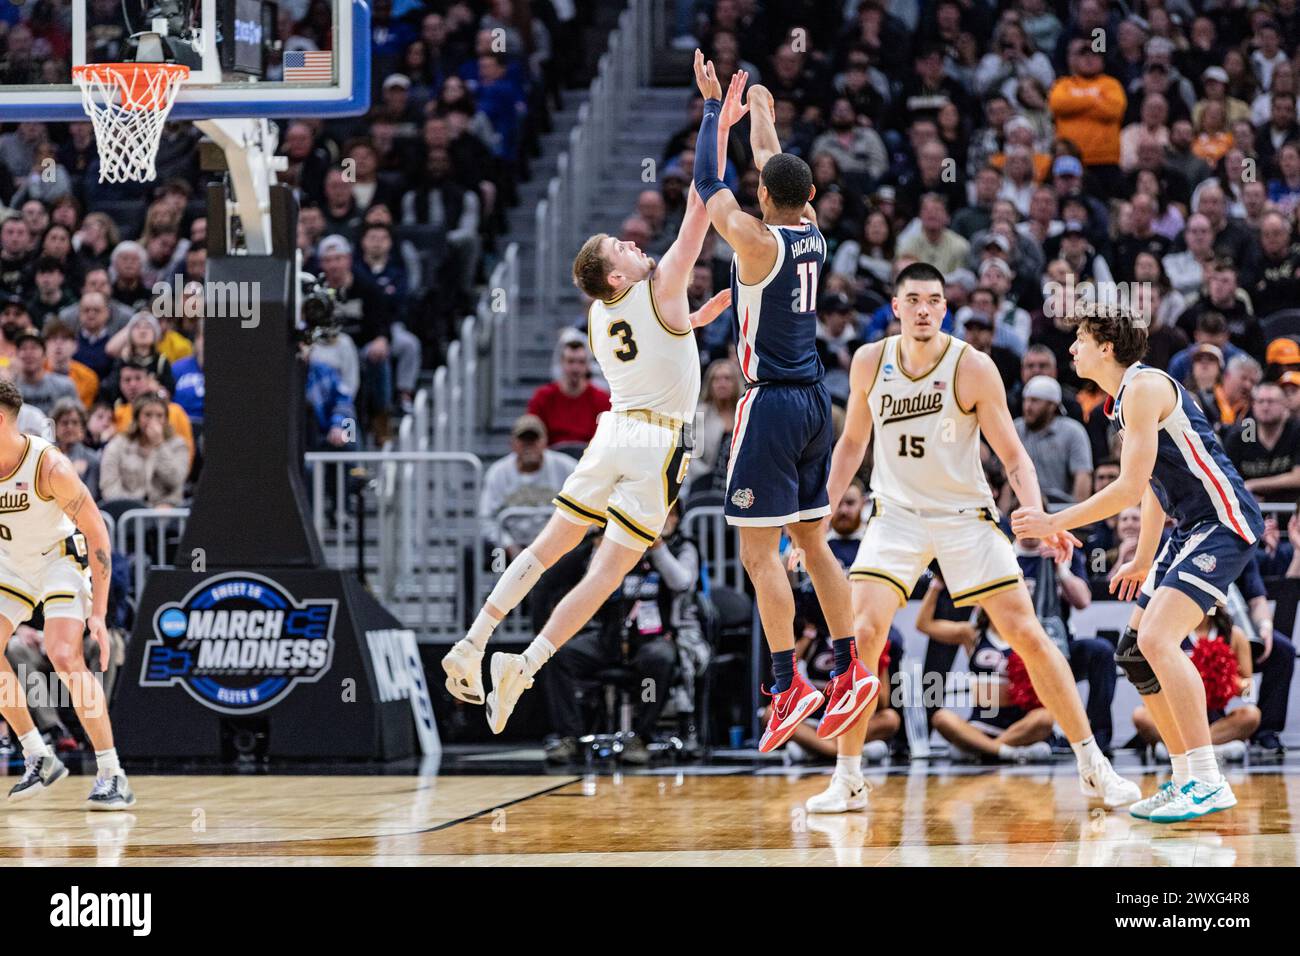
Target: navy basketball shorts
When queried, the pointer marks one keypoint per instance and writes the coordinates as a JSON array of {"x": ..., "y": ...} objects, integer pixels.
[
  {"x": 780, "y": 456},
  {"x": 1201, "y": 561}
]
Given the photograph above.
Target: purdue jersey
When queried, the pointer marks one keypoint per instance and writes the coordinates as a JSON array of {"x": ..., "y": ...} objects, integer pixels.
[
  {"x": 927, "y": 447},
  {"x": 647, "y": 364},
  {"x": 32, "y": 527}
]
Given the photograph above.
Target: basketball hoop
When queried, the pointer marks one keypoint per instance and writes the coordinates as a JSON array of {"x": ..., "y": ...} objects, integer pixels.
[{"x": 128, "y": 103}]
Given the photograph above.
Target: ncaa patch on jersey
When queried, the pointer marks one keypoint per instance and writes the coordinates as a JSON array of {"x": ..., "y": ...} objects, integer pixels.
[
  {"x": 1206, "y": 562},
  {"x": 743, "y": 498}
]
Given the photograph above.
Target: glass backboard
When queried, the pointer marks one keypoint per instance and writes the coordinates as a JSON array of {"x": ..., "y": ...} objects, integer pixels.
[{"x": 248, "y": 58}]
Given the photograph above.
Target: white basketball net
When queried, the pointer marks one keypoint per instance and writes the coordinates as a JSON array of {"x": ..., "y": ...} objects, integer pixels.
[{"x": 128, "y": 103}]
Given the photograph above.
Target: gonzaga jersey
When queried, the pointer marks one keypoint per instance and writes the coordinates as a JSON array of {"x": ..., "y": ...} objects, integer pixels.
[
  {"x": 776, "y": 319},
  {"x": 1193, "y": 476},
  {"x": 647, "y": 364},
  {"x": 32, "y": 525},
  {"x": 927, "y": 448}
]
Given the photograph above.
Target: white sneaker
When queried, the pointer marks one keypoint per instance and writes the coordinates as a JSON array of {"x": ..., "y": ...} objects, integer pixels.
[
  {"x": 1040, "y": 752},
  {"x": 464, "y": 667},
  {"x": 841, "y": 796},
  {"x": 509, "y": 681},
  {"x": 874, "y": 751},
  {"x": 1144, "y": 808},
  {"x": 1234, "y": 751},
  {"x": 1101, "y": 781},
  {"x": 1196, "y": 799}
]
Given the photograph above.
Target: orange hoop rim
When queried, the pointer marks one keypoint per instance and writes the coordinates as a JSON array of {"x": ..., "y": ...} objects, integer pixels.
[{"x": 135, "y": 80}]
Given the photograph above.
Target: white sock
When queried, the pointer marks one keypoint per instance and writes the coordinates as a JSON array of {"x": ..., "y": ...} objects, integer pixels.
[
  {"x": 516, "y": 582},
  {"x": 33, "y": 744},
  {"x": 1181, "y": 772},
  {"x": 536, "y": 654},
  {"x": 1086, "y": 752},
  {"x": 107, "y": 762},
  {"x": 1007, "y": 752},
  {"x": 1203, "y": 765},
  {"x": 850, "y": 767},
  {"x": 481, "y": 630}
]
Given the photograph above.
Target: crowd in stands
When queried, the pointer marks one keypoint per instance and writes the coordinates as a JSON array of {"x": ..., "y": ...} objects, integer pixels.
[
  {"x": 1149, "y": 150},
  {"x": 401, "y": 215}
]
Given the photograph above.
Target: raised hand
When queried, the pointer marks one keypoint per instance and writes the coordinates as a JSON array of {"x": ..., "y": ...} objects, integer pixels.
[
  {"x": 733, "y": 107},
  {"x": 706, "y": 79},
  {"x": 760, "y": 97}
]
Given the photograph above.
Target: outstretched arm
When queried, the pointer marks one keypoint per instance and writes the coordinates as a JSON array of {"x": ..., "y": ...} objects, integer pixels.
[
  {"x": 1147, "y": 401},
  {"x": 853, "y": 441},
  {"x": 978, "y": 382},
  {"x": 743, "y": 232},
  {"x": 712, "y": 309},
  {"x": 762, "y": 134},
  {"x": 673, "y": 273}
]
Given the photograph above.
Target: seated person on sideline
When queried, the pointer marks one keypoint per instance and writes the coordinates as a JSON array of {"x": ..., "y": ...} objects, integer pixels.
[
  {"x": 659, "y": 606},
  {"x": 1227, "y": 674},
  {"x": 570, "y": 405},
  {"x": 995, "y": 727},
  {"x": 530, "y": 476}
]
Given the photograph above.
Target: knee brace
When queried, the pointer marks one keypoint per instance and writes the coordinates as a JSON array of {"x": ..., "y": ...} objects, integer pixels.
[{"x": 1135, "y": 667}]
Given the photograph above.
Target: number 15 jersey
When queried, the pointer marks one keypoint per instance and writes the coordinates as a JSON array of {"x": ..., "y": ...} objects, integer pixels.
[{"x": 927, "y": 446}]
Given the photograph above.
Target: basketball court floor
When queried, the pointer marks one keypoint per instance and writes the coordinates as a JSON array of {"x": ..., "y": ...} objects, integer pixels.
[{"x": 483, "y": 810}]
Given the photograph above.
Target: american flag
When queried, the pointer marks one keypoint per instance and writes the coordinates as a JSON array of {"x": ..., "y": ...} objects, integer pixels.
[
  {"x": 20, "y": 486},
  {"x": 308, "y": 66}
]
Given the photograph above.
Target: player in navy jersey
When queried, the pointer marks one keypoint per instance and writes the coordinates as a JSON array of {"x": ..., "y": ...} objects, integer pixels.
[
  {"x": 781, "y": 449},
  {"x": 1172, "y": 463}
]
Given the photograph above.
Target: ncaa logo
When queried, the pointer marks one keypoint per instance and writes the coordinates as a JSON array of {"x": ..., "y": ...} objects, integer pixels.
[
  {"x": 172, "y": 622},
  {"x": 239, "y": 643}
]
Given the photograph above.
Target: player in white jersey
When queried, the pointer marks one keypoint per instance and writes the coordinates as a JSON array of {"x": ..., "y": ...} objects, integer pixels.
[
  {"x": 640, "y": 331},
  {"x": 928, "y": 398},
  {"x": 54, "y": 553}
]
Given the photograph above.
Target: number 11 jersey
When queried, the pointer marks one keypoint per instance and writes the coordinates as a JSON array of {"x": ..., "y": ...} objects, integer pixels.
[{"x": 927, "y": 445}]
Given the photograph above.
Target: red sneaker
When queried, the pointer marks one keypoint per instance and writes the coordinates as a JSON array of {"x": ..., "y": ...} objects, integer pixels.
[
  {"x": 850, "y": 693},
  {"x": 789, "y": 708}
]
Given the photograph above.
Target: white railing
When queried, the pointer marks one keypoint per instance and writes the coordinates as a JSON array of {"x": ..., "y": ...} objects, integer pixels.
[
  {"x": 464, "y": 396},
  {"x": 719, "y": 546},
  {"x": 428, "y": 549},
  {"x": 558, "y": 222},
  {"x": 422, "y": 553},
  {"x": 133, "y": 537}
]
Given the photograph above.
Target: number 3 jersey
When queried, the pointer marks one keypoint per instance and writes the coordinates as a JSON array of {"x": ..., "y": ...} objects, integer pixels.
[
  {"x": 927, "y": 446},
  {"x": 647, "y": 364}
]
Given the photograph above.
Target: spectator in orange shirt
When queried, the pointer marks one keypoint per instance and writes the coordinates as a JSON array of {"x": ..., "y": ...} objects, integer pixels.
[
  {"x": 136, "y": 380},
  {"x": 570, "y": 405},
  {"x": 1088, "y": 107},
  {"x": 1213, "y": 138},
  {"x": 60, "y": 346}
]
